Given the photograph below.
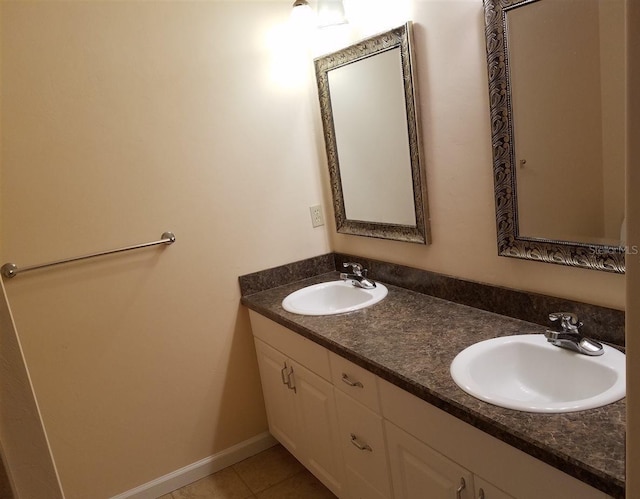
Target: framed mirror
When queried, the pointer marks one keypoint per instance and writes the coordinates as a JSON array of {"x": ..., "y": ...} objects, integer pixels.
[
  {"x": 557, "y": 103},
  {"x": 369, "y": 112}
]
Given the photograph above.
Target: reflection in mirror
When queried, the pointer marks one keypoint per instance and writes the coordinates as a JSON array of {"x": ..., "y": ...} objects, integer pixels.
[
  {"x": 583, "y": 150},
  {"x": 370, "y": 122},
  {"x": 557, "y": 90}
]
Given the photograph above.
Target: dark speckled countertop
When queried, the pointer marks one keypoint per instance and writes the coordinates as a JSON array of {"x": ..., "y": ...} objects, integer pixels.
[{"x": 410, "y": 339}]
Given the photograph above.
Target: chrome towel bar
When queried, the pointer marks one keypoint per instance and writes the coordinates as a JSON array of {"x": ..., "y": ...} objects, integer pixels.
[{"x": 11, "y": 269}]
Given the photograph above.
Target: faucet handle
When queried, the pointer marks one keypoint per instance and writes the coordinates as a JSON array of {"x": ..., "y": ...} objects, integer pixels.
[
  {"x": 564, "y": 316},
  {"x": 568, "y": 321},
  {"x": 356, "y": 267}
]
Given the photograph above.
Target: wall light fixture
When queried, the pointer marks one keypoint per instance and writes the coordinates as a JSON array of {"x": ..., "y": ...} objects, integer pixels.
[{"x": 329, "y": 12}]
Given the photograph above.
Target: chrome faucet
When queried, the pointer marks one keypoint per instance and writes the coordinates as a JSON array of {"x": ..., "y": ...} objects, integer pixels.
[
  {"x": 570, "y": 336},
  {"x": 358, "y": 276}
]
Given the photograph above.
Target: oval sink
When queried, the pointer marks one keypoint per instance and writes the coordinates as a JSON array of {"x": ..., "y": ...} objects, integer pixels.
[
  {"x": 526, "y": 373},
  {"x": 334, "y": 297}
]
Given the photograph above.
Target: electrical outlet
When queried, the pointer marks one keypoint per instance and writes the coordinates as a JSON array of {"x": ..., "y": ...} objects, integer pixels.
[{"x": 316, "y": 216}]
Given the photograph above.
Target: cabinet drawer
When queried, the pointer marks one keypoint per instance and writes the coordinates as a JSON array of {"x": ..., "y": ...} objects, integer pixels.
[
  {"x": 355, "y": 381},
  {"x": 364, "y": 449},
  {"x": 297, "y": 347}
]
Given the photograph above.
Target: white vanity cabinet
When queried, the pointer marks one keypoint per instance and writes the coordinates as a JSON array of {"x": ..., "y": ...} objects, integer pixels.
[
  {"x": 418, "y": 471},
  {"x": 279, "y": 400},
  {"x": 500, "y": 470},
  {"x": 365, "y": 438},
  {"x": 361, "y": 431},
  {"x": 300, "y": 403}
]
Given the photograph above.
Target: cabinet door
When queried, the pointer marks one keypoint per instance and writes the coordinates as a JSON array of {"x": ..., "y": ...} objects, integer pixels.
[
  {"x": 279, "y": 399},
  {"x": 364, "y": 450},
  {"x": 486, "y": 490},
  {"x": 316, "y": 406},
  {"x": 419, "y": 472}
]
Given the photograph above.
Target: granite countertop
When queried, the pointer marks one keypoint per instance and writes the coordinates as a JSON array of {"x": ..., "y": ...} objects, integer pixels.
[{"x": 410, "y": 339}]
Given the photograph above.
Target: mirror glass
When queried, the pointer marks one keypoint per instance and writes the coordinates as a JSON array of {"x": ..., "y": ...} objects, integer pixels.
[
  {"x": 557, "y": 88},
  {"x": 369, "y": 115}
]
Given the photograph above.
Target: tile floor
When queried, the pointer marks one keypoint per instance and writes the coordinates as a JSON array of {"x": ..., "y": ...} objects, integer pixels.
[{"x": 272, "y": 474}]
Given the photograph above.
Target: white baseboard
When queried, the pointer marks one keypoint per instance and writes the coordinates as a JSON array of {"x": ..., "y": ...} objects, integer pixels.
[{"x": 200, "y": 469}]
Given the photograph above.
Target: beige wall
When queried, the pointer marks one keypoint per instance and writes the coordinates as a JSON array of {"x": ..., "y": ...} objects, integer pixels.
[
  {"x": 22, "y": 438},
  {"x": 122, "y": 120},
  {"x": 451, "y": 63},
  {"x": 633, "y": 261}
]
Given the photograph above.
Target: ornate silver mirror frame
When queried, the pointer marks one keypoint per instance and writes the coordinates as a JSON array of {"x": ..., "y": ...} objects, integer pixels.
[
  {"x": 401, "y": 38},
  {"x": 510, "y": 242}
]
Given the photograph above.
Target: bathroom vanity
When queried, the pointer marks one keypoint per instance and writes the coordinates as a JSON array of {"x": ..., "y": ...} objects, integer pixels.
[{"x": 366, "y": 402}]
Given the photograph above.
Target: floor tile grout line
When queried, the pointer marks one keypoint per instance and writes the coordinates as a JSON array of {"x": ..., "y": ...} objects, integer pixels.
[
  {"x": 255, "y": 492},
  {"x": 251, "y": 492},
  {"x": 290, "y": 477}
]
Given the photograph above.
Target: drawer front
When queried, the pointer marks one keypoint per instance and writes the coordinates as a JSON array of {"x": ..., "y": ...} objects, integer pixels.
[
  {"x": 355, "y": 381},
  {"x": 363, "y": 448},
  {"x": 304, "y": 351}
]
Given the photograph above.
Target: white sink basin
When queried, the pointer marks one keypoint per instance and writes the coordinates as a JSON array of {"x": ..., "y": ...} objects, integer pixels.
[
  {"x": 527, "y": 373},
  {"x": 334, "y": 297}
]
